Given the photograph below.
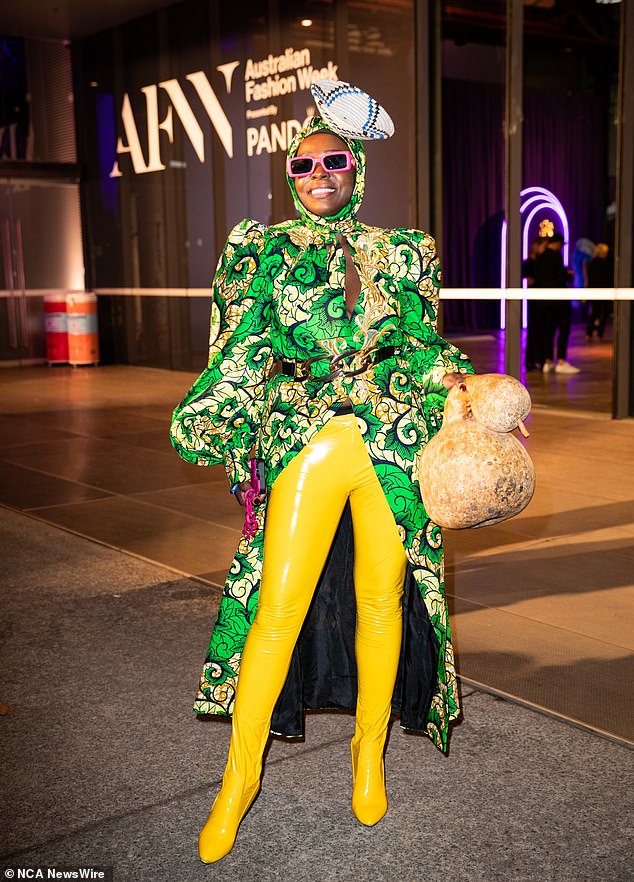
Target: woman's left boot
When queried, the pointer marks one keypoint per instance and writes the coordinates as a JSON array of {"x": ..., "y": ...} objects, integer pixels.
[
  {"x": 369, "y": 799},
  {"x": 378, "y": 644},
  {"x": 374, "y": 707}
]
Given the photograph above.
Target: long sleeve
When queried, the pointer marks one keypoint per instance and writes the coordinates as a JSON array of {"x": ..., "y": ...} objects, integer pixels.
[
  {"x": 219, "y": 418},
  {"x": 430, "y": 356}
]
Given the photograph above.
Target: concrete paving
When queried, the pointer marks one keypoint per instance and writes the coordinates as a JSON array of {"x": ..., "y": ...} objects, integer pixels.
[{"x": 105, "y": 763}]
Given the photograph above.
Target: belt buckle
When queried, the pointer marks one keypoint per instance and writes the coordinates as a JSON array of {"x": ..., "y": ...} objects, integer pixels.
[
  {"x": 339, "y": 368},
  {"x": 336, "y": 367}
]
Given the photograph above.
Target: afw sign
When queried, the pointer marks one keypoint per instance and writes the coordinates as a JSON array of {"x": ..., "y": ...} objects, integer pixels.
[
  {"x": 264, "y": 79},
  {"x": 150, "y": 161}
]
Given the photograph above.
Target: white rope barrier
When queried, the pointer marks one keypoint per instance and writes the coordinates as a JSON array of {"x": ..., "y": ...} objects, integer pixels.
[
  {"x": 445, "y": 293},
  {"x": 537, "y": 293}
]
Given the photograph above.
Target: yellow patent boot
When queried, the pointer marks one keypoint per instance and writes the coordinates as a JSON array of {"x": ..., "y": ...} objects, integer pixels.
[
  {"x": 217, "y": 837},
  {"x": 369, "y": 799},
  {"x": 379, "y": 629},
  {"x": 240, "y": 785}
]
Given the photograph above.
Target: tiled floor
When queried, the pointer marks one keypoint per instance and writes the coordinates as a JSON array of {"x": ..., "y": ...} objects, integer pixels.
[
  {"x": 590, "y": 390},
  {"x": 542, "y": 605}
]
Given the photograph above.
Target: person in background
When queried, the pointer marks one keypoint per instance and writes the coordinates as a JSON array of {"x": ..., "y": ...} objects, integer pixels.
[
  {"x": 584, "y": 252},
  {"x": 536, "y": 309},
  {"x": 600, "y": 272},
  {"x": 550, "y": 272}
]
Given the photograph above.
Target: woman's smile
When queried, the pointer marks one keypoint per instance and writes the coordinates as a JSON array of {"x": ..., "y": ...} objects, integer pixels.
[{"x": 321, "y": 192}]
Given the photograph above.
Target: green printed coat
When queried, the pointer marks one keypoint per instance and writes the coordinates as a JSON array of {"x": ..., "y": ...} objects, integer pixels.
[{"x": 278, "y": 293}]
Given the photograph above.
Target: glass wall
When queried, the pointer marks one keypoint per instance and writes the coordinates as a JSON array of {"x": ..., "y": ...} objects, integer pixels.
[
  {"x": 36, "y": 101},
  {"x": 40, "y": 223},
  {"x": 570, "y": 82},
  {"x": 381, "y": 59},
  {"x": 473, "y": 98},
  {"x": 186, "y": 116},
  {"x": 571, "y": 59},
  {"x": 568, "y": 127}
]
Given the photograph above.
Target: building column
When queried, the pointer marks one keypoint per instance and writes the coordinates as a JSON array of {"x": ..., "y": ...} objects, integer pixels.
[
  {"x": 513, "y": 178},
  {"x": 428, "y": 110},
  {"x": 623, "y": 385}
]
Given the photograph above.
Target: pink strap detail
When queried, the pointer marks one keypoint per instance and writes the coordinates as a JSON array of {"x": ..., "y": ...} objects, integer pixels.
[{"x": 250, "y": 520}]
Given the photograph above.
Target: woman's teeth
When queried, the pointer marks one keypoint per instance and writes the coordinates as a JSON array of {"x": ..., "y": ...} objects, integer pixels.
[{"x": 322, "y": 191}]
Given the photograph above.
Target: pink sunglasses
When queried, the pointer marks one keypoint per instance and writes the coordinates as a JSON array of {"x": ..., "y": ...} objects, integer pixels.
[{"x": 333, "y": 161}]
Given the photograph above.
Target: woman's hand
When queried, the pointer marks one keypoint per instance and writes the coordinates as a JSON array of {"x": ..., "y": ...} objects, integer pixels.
[
  {"x": 242, "y": 489},
  {"x": 454, "y": 379}
]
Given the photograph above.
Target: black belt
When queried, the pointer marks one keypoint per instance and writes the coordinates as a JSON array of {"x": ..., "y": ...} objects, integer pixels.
[{"x": 302, "y": 370}]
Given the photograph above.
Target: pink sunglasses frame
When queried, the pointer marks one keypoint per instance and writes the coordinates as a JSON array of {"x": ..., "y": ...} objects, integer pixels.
[{"x": 318, "y": 160}]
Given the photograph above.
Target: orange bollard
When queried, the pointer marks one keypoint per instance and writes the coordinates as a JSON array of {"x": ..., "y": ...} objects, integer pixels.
[
  {"x": 83, "y": 340},
  {"x": 56, "y": 328}
]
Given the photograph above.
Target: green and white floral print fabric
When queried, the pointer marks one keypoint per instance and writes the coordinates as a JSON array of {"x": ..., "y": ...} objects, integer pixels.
[{"x": 279, "y": 293}]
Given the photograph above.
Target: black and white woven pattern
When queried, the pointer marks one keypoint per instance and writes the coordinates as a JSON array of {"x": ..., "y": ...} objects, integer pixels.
[{"x": 350, "y": 111}]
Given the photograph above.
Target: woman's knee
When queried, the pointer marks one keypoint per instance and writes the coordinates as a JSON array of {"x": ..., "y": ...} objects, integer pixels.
[
  {"x": 382, "y": 602},
  {"x": 281, "y": 615}
]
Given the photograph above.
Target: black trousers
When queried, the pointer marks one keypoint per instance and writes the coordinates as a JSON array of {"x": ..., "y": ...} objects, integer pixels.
[
  {"x": 598, "y": 311},
  {"x": 552, "y": 317},
  {"x": 563, "y": 319},
  {"x": 545, "y": 319}
]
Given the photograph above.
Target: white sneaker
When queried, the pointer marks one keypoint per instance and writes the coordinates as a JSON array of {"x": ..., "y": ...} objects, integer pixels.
[
  {"x": 564, "y": 367},
  {"x": 548, "y": 367}
]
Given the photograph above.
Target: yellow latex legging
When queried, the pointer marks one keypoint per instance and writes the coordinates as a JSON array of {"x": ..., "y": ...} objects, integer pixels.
[{"x": 304, "y": 509}]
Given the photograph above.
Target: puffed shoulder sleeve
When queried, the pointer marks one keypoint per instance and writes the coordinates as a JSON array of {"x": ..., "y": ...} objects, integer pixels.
[
  {"x": 218, "y": 420},
  {"x": 430, "y": 356}
]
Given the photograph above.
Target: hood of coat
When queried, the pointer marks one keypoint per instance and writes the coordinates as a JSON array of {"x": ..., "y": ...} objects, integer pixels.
[{"x": 317, "y": 124}]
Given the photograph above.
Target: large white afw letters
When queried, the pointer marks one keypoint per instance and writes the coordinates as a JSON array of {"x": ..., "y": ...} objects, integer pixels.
[
  {"x": 262, "y": 81},
  {"x": 131, "y": 143}
]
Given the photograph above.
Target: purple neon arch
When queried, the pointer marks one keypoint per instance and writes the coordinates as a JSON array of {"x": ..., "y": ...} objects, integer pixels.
[{"x": 544, "y": 199}]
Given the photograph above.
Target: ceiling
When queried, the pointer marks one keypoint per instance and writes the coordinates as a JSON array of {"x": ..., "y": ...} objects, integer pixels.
[
  {"x": 70, "y": 19},
  {"x": 590, "y": 20}
]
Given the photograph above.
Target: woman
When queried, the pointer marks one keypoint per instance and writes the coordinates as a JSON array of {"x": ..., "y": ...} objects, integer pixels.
[{"x": 346, "y": 315}]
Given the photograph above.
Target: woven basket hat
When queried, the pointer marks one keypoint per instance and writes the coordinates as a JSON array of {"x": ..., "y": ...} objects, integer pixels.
[{"x": 350, "y": 111}]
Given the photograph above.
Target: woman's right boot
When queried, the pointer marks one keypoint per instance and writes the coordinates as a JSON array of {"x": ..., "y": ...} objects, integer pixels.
[
  {"x": 294, "y": 556},
  {"x": 240, "y": 786}
]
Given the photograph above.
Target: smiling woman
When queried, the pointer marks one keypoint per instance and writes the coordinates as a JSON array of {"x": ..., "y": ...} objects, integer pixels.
[
  {"x": 324, "y": 359},
  {"x": 323, "y": 190}
]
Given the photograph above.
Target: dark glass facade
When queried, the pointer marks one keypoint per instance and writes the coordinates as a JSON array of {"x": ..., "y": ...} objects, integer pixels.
[{"x": 183, "y": 118}]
